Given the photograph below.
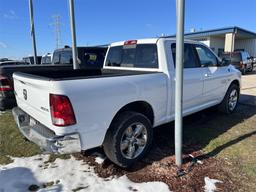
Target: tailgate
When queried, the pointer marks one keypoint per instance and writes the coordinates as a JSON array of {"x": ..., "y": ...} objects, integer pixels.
[{"x": 32, "y": 95}]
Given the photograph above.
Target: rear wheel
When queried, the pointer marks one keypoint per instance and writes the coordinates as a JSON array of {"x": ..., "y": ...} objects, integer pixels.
[
  {"x": 244, "y": 71},
  {"x": 128, "y": 139},
  {"x": 251, "y": 68},
  {"x": 230, "y": 101}
]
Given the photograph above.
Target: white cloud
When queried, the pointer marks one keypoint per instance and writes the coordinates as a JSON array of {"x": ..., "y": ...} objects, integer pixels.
[
  {"x": 3, "y": 45},
  {"x": 10, "y": 15}
]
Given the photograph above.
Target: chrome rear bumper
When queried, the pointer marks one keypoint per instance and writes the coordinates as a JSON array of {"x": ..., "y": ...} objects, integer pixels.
[{"x": 44, "y": 137}]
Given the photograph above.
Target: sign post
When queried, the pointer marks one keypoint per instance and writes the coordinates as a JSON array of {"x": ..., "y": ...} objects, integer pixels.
[
  {"x": 73, "y": 33},
  {"x": 179, "y": 80},
  {"x": 32, "y": 28}
]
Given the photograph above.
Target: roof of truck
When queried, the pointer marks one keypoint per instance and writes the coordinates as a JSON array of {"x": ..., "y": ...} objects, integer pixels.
[{"x": 150, "y": 41}]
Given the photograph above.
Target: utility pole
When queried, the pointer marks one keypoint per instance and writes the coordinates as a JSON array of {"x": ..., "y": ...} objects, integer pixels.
[
  {"x": 179, "y": 80},
  {"x": 32, "y": 28},
  {"x": 57, "y": 30},
  {"x": 73, "y": 32}
]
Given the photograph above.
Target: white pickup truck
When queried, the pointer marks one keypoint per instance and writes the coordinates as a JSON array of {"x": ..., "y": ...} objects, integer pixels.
[{"x": 118, "y": 106}]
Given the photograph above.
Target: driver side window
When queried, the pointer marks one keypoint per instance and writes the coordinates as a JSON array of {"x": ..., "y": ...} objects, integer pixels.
[{"x": 206, "y": 57}]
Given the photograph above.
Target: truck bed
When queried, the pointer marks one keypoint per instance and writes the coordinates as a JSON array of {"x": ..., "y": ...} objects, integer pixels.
[
  {"x": 59, "y": 75},
  {"x": 8, "y": 70}
]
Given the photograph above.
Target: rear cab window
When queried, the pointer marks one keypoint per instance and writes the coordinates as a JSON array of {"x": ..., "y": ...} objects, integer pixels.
[{"x": 132, "y": 55}]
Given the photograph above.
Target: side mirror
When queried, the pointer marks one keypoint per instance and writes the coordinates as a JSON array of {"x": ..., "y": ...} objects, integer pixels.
[{"x": 225, "y": 62}]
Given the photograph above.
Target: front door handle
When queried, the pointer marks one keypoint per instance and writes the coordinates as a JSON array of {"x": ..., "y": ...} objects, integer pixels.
[{"x": 207, "y": 75}]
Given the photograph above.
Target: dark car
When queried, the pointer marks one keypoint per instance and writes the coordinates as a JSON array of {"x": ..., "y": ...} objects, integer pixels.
[
  {"x": 241, "y": 60},
  {"x": 7, "y": 97},
  {"x": 88, "y": 57}
]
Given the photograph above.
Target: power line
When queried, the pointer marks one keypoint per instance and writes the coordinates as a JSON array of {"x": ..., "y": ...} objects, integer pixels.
[{"x": 57, "y": 30}]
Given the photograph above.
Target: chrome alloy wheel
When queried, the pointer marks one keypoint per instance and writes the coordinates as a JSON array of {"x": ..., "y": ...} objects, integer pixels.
[
  {"x": 232, "y": 101},
  {"x": 133, "y": 141}
]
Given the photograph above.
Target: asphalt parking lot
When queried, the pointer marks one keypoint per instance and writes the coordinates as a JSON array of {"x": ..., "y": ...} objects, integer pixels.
[{"x": 248, "y": 89}]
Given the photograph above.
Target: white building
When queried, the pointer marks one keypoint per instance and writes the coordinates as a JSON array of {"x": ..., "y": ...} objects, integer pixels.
[{"x": 227, "y": 39}]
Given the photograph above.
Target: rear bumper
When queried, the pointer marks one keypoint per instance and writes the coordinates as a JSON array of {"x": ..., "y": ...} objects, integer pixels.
[{"x": 44, "y": 137}]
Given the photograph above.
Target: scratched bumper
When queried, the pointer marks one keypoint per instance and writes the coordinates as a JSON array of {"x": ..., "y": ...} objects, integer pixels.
[{"x": 44, "y": 137}]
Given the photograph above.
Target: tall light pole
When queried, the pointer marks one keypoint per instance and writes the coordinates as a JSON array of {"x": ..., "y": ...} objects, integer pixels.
[
  {"x": 179, "y": 80},
  {"x": 32, "y": 28},
  {"x": 73, "y": 33}
]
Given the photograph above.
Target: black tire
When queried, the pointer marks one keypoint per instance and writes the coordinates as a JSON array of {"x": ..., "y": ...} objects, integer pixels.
[
  {"x": 244, "y": 71},
  {"x": 251, "y": 69},
  {"x": 112, "y": 142},
  {"x": 224, "y": 106}
]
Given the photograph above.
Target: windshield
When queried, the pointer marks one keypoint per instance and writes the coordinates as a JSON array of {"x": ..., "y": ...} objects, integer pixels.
[{"x": 134, "y": 56}]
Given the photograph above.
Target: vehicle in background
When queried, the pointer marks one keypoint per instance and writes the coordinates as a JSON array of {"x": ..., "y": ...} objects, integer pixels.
[
  {"x": 13, "y": 63},
  {"x": 7, "y": 97},
  {"x": 88, "y": 57},
  {"x": 241, "y": 60},
  {"x": 92, "y": 57},
  {"x": 30, "y": 60},
  {"x": 46, "y": 59},
  {"x": 118, "y": 106},
  {"x": 4, "y": 59}
]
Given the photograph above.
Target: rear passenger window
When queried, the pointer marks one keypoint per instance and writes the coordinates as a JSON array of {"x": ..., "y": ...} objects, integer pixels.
[
  {"x": 206, "y": 57},
  {"x": 190, "y": 60}
]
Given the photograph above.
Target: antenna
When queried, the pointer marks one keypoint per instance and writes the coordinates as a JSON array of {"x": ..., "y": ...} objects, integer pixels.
[{"x": 57, "y": 24}]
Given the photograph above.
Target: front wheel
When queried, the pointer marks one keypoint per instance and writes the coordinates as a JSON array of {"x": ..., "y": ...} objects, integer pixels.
[
  {"x": 128, "y": 138},
  {"x": 230, "y": 101}
]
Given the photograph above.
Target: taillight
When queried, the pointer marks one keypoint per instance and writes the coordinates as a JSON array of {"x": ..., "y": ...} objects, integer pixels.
[
  {"x": 61, "y": 110},
  {"x": 5, "y": 84}
]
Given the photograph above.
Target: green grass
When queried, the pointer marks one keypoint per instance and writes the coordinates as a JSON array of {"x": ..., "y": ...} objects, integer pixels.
[
  {"x": 12, "y": 143},
  {"x": 232, "y": 140}
]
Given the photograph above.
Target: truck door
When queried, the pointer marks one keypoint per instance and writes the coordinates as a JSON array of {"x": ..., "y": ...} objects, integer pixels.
[
  {"x": 193, "y": 78},
  {"x": 215, "y": 76}
]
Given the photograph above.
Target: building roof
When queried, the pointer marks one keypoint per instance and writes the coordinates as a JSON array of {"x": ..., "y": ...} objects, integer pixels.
[{"x": 221, "y": 31}]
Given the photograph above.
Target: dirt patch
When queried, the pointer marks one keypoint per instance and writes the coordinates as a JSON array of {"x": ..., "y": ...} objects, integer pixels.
[{"x": 165, "y": 170}]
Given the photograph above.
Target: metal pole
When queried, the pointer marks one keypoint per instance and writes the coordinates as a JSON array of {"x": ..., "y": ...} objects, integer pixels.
[
  {"x": 32, "y": 28},
  {"x": 73, "y": 32},
  {"x": 179, "y": 80}
]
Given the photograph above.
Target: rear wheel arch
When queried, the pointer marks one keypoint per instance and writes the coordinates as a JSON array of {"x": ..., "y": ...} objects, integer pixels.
[{"x": 142, "y": 107}]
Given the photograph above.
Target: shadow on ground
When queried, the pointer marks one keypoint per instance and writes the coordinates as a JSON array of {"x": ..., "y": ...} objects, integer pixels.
[{"x": 20, "y": 179}]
